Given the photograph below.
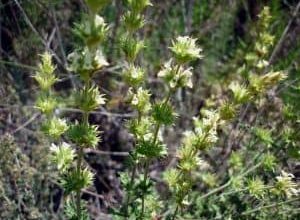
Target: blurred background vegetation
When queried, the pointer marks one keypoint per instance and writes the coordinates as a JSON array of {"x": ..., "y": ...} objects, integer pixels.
[{"x": 226, "y": 30}]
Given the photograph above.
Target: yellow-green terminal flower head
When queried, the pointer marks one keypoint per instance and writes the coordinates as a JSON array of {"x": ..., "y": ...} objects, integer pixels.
[
  {"x": 44, "y": 75},
  {"x": 140, "y": 128},
  {"x": 264, "y": 135},
  {"x": 133, "y": 21},
  {"x": 236, "y": 160},
  {"x": 185, "y": 49},
  {"x": 272, "y": 78},
  {"x": 259, "y": 84},
  {"x": 63, "y": 155},
  {"x": 269, "y": 161},
  {"x": 206, "y": 130},
  {"x": 265, "y": 17}
]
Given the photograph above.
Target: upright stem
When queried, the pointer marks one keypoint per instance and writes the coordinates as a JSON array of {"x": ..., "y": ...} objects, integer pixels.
[
  {"x": 175, "y": 212},
  {"x": 128, "y": 198},
  {"x": 133, "y": 172},
  {"x": 145, "y": 182},
  {"x": 78, "y": 193},
  {"x": 85, "y": 120},
  {"x": 157, "y": 127}
]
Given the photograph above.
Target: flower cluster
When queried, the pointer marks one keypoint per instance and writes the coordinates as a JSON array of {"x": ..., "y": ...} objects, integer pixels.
[
  {"x": 264, "y": 41},
  {"x": 185, "y": 49},
  {"x": 140, "y": 201},
  {"x": 286, "y": 185},
  {"x": 205, "y": 135},
  {"x": 85, "y": 61},
  {"x": 44, "y": 75},
  {"x": 63, "y": 155},
  {"x": 176, "y": 76},
  {"x": 92, "y": 33}
]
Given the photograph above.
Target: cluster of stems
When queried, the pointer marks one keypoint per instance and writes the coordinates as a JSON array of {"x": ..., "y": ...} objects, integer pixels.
[
  {"x": 152, "y": 115},
  {"x": 204, "y": 136},
  {"x": 146, "y": 128}
]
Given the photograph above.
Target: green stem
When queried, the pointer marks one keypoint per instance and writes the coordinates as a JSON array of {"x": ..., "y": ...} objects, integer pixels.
[
  {"x": 132, "y": 178},
  {"x": 147, "y": 163},
  {"x": 78, "y": 192},
  {"x": 131, "y": 184},
  {"x": 229, "y": 182},
  {"x": 79, "y": 164},
  {"x": 175, "y": 212},
  {"x": 269, "y": 206}
]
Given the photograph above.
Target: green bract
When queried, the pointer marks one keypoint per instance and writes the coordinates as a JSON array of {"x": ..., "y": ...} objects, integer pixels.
[
  {"x": 73, "y": 181},
  {"x": 227, "y": 111},
  {"x": 256, "y": 187},
  {"x": 269, "y": 161},
  {"x": 264, "y": 135},
  {"x": 89, "y": 99},
  {"x": 163, "y": 114},
  {"x": 151, "y": 150},
  {"x": 131, "y": 47},
  {"x": 84, "y": 135}
]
